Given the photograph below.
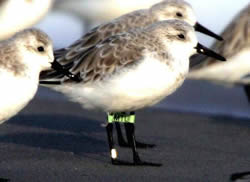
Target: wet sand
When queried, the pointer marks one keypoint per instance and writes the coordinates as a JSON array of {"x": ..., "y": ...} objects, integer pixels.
[{"x": 55, "y": 140}]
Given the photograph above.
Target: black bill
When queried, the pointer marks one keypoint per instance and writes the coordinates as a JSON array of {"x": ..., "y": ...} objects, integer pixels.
[
  {"x": 203, "y": 50},
  {"x": 199, "y": 28},
  {"x": 63, "y": 70}
]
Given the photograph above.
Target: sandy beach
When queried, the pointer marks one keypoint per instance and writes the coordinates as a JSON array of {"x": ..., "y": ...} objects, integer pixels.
[{"x": 56, "y": 140}]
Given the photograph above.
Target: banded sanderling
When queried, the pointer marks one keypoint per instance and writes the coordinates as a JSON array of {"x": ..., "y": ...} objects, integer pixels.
[
  {"x": 130, "y": 71},
  {"x": 167, "y": 9}
]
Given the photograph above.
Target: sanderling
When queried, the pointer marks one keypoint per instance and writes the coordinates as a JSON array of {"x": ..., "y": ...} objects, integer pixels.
[
  {"x": 167, "y": 9},
  {"x": 16, "y": 15},
  {"x": 23, "y": 57},
  {"x": 130, "y": 71},
  {"x": 236, "y": 49}
]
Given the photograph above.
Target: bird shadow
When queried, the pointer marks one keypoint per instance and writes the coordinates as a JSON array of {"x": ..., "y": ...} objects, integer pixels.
[
  {"x": 67, "y": 123},
  {"x": 62, "y": 142},
  {"x": 64, "y": 133}
]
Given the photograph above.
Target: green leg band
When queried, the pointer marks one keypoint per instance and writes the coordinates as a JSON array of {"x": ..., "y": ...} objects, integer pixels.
[{"x": 121, "y": 117}]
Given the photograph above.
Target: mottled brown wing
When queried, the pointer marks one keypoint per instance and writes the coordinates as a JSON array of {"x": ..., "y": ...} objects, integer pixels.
[
  {"x": 98, "y": 34},
  {"x": 68, "y": 56},
  {"x": 107, "y": 57},
  {"x": 71, "y": 55},
  {"x": 236, "y": 37},
  {"x": 92, "y": 38}
]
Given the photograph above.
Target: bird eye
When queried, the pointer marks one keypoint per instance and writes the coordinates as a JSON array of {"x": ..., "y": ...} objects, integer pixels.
[
  {"x": 40, "y": 49},
  {"x": 181, "y": 36},
  {"x": 179, "y": 14}
]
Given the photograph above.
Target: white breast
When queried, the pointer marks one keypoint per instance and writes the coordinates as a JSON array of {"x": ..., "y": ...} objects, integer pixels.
[
  {"x": 144, "y": 85},
  {"x": 15, "y": 93}
]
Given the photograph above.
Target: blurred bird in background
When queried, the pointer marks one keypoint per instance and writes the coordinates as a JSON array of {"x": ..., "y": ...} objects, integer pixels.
[
  {"x": 16, "y": 15},
  {"x": 236, "y": 49},
  {"x": 95, "y": 12}
]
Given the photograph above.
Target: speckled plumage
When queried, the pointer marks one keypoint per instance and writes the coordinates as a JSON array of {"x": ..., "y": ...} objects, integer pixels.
[
  {"x": 10, "y": 56},
  {"x": 164, "y": 10},
  {"x": 116, "y": 52},
  {"x": 121, "y": 50},
  {"x": 9, "y": 59},
  {"x": 132, "y": 70}
]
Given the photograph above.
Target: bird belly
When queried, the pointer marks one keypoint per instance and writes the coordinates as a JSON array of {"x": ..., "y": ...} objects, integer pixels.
[{"x": 131, "y": 88}]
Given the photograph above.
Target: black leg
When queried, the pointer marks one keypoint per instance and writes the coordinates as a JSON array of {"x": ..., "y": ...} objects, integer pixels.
[
  {"x": 123, "y": 143},
  {"x": 113, "y": 152},
  {"x": 109, "y": 129},
  {"x": 139, "y": 144},
  {"x": 130, "y": 131},
  {"x": 120, "y": 138},
  {"x": 247, "y": 91}
]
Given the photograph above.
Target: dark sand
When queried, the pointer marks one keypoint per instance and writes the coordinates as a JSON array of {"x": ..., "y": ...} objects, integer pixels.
[{"x": 55, "y": 140}]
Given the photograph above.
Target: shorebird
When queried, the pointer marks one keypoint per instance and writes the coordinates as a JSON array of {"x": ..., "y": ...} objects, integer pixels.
[
  {"x": 16, "y": 15},
  {"x": 131, "y": 71},
  {"x": 22, "y": 58},
  {"x": 236, "y": 49},
  {"x": 167, "y": 9},
  {"x": 164, "y": 10}
]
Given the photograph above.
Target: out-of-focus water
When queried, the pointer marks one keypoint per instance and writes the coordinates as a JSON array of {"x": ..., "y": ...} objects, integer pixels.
[{"x": 193, "y": 96}]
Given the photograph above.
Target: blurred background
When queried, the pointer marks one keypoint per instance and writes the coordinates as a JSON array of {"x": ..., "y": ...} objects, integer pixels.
[{"x": 70, "y": 19}]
